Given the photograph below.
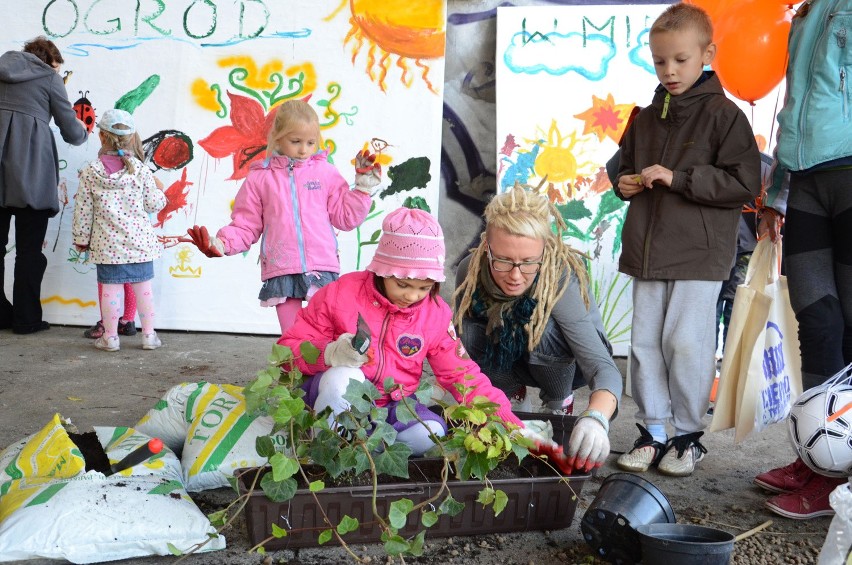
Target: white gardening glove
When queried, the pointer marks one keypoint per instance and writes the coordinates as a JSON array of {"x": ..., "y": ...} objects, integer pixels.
[
  {"x": 536, "y": 430},
  {"x": 589, "y": 444},
  {"x": 340, "y": 353},
  {"x": 368, "y": 173}
]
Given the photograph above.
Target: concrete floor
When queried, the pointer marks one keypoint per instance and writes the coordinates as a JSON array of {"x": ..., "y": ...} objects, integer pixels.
[{"x": 60, "y": 371}]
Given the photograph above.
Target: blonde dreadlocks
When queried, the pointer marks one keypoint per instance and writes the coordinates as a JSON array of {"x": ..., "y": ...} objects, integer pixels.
[{"x": 528, "y": 214}]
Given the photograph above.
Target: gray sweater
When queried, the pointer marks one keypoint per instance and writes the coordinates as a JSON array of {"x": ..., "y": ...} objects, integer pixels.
[
  {"x": 582, "y": 329},
  {"x": 31, "y": 93}
]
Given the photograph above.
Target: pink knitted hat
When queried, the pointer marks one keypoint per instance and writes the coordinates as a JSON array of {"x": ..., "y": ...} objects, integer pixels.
[{"x": 411, "y": 246}]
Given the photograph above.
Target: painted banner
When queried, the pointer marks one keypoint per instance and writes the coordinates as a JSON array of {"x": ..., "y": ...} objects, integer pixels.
[{"x": 200, "y": 76}]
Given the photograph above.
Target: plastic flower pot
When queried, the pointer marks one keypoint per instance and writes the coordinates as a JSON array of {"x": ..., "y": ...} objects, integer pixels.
[
  {"x": 685, "y": 544},
  {"x": 623, "y": 503}
]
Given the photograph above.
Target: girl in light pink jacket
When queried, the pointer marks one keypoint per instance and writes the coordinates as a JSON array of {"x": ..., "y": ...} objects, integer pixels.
[
  {"x": 409, "y": 323},
  {"x": 292, "y": 202}
]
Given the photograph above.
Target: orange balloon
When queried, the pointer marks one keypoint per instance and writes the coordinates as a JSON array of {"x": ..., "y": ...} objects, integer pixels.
[
  {"x": 714, "y": 8},
  {"x": 751, "y": 41}
]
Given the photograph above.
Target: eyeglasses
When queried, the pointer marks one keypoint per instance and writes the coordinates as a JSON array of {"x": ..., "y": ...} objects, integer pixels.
[{"x": 505, "y": 266}]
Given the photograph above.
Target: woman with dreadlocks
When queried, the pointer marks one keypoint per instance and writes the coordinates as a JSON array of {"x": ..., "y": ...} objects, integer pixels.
[{"x": 525, "y": 315}]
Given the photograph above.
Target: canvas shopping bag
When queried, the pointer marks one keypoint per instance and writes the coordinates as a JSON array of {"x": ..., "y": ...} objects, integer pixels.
[
  {"x": 774, "y": 371},
  {"x": 748, "y": 319},
  {"x": 761, "y": 369}
]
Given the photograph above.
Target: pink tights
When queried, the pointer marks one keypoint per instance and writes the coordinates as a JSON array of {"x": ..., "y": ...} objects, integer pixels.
[
  {"x": 113, "y": 303},
  {"x": 287, "y": 312},
  {"x": 129, "y": 301}
]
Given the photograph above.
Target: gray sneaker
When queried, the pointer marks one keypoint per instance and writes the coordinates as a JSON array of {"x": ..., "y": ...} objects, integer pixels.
[
  {"x": 645, "y": 453},
  {"x": 682, "y": 455}
]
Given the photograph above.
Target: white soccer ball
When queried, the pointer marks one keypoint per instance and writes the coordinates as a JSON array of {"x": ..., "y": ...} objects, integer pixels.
[{"x": 820, "y": 426}]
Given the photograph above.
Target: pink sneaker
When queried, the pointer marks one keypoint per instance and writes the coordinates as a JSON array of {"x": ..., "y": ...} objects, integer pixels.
[
  {"x": 785, "y": 479},
  {"x": 810, "y": 501}
]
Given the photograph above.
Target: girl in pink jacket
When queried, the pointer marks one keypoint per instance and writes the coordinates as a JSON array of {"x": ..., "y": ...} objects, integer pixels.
[
  {"x": 292, "y": 202},
  {"x": 409, "y": 323}
]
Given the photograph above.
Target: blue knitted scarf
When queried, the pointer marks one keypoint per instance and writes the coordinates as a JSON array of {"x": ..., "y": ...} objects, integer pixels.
[{"x": 505, "y": 318}]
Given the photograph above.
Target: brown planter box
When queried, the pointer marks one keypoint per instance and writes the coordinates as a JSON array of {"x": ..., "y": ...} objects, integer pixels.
[{"x": 540, "y": 501}]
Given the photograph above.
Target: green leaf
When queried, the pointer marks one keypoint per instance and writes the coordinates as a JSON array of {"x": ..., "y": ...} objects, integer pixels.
[
  {"x": 324, "y": 449},
  {"x": 264, "y": 446},
  {"x": 347, "y": 524},
  {"x": 424, "y": 392},
  {"x": 450, "y": 506},
  {"x": 396, "y": 545},
  {"x": 278, "y": 491},
  {"x": 478, "y": 465},
  {"x": 361, "y": 395},
  {"x": 324, "y": 537},
  {"x": 280, "y": 354},
  {"x": 393, "y": 460},
  {"x": 405, "y": 411},
  {"x": 477, "y": 416},
  {"x": 429, "y": 519},
  {"x": 278, "y": 531},
  {"x": 398, "y": 513},
  {"x": 500, "y": 501},
  {"x": 309, "y": 353},
  {"x": 235, "y": 483},
  {"x": 287, "y": 409},
  {"x": 283, "y": 466},
  {"x": 262, "y": 381},
  {"x": 316, "y": 486},
  {"x": 347, "y": 457},
  {"x": 173, "y": 549},
  {"x": 362, "y": 462},
  {"x": 382, "y": 433},
  {"x": 485, "y": 496},
  {"x": 416, "y": 546},
  {"x": 219, "y": 518}
]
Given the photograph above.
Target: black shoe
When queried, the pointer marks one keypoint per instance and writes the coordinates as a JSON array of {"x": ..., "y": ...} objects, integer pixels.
[
  {"x": 39, "y": 327},
  {"x": 126, "y": 328}
]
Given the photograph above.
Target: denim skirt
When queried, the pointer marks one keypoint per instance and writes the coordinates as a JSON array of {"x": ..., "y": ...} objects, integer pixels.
[{"x": 126, "y": 273}]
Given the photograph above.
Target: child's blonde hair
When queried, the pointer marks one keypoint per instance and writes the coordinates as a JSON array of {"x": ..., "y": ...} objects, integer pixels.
[
  {"x": 525, "y": 213},
  {"x": 680, "y": 16},
  {"x": 287, "y": 117},
  {"x": 126, "y": 146}
]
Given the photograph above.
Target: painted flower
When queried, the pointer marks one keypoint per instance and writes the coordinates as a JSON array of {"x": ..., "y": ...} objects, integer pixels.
[{"x": 244, "y": 139}]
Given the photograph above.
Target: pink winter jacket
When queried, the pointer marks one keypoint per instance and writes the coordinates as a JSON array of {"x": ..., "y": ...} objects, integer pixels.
[
  {"x": 402, "y": 339},
  {"x": 294, "y": 206}
]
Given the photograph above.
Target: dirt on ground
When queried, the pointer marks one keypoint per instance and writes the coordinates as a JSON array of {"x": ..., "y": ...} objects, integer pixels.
[{"x": 60, "y": 371}]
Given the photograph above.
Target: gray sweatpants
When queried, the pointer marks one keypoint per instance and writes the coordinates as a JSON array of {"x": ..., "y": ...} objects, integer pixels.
[{"x": 673, "y": 345}]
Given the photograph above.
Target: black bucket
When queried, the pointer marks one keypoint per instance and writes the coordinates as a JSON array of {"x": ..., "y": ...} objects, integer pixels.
[
  {"x": 685, "y": 544},
  {"x": 624, "y": 502}
]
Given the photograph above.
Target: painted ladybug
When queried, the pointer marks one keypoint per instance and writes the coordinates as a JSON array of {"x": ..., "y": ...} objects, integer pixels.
[{"x": 85, "y": 112}]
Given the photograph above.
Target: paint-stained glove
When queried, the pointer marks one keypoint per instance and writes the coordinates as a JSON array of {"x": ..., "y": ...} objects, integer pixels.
[
  {"x": 368, "y": 173},
  {"x": 544, "y": 446},
  {"x": 589, "y": 444},
  {"x": 340, "y": 353},
  {"x": 200, "y": 237}
]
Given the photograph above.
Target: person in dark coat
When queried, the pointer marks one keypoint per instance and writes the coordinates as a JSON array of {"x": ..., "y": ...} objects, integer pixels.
[{"x": 31, "y": 93}]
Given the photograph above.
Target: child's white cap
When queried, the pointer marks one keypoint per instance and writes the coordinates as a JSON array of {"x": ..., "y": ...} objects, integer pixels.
[{"x": 113, "y": 117}]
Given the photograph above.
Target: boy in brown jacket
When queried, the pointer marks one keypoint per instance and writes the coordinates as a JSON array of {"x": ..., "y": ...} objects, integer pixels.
[{"x": 688, "y": 164}]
